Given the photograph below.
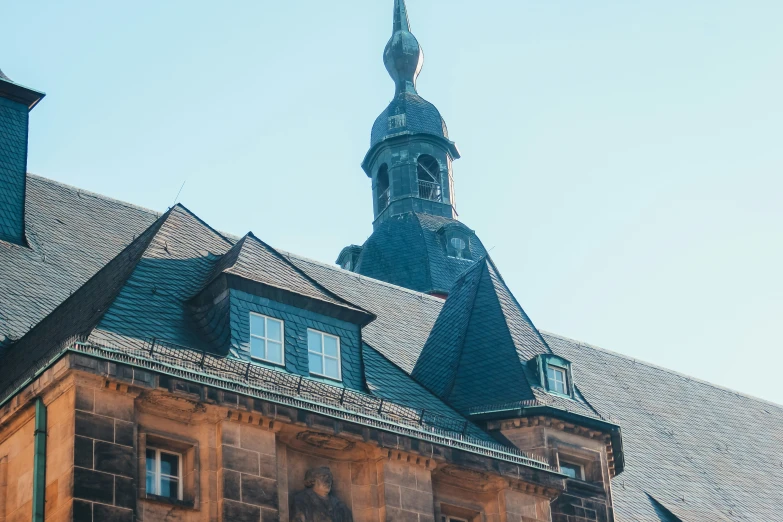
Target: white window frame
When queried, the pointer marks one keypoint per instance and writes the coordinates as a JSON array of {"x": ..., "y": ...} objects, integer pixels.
[
  {"x": 158, "y": 475},
  {"x": 579, "y": 467},
  {"x": 564, "y": 372},
  {"x": 323, "y": 355},
  {"x": 266, "y": 339}
]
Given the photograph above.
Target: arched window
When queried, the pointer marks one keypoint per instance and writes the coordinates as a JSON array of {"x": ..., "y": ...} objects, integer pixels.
[
  {"x": 428, "y": 172},
  {"x": 382, "y": 187}
]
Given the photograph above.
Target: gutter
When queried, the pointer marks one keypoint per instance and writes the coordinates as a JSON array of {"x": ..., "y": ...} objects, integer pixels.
[{"x": 39, "y": 462}]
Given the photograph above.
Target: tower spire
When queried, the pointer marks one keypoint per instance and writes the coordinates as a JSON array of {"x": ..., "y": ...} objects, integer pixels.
[
  {"x": 403, "y": 56},
  {"x": 401, "y": 22}
]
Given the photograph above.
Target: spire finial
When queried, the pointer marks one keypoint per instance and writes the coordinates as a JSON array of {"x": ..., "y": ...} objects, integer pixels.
[
  {"x": 403, "y": 56},
  {"x": 401, "y": 22}
]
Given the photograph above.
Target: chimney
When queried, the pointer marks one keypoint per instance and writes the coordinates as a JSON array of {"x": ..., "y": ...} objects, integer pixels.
[{"x": 16, "y": 101}]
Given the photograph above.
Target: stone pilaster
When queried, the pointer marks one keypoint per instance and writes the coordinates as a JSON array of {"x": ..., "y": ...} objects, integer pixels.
[
  {"x": 248, "y": 473},
  {"x": 407, "y": 489},
  {"x": 104, "y": 457}
]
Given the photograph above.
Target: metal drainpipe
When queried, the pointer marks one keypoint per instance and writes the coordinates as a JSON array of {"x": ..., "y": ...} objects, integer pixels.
[{"x": 39, "y": 462}]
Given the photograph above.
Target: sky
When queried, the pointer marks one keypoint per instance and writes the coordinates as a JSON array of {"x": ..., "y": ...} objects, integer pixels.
[{"x": 623, "y": 160}]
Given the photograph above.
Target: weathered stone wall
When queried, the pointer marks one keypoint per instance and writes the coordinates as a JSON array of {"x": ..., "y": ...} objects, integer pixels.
[
  {"x": 104, "y": 458},
  {"x": 243, "y": 459},
  {"x": 585, "y": 500},
  {"x": 407, "y": 489},
  {"x": 248, "y": 473}
]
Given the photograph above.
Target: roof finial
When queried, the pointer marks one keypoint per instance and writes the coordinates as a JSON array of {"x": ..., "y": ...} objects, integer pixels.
[
  {"x": 401, "y": 22},
  {"x": 403, "y": 56}
]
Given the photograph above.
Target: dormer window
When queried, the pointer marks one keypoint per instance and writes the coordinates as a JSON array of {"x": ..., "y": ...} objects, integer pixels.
[
  {"x": 558, "y": 380},
  {"x": 555, "y": 374},
  {"x": 458, "y": 245},
  {"x": 266, "y": 339}
]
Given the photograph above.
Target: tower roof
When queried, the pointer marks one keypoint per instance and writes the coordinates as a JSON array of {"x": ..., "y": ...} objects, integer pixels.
[{"x": 408, "y": 113}]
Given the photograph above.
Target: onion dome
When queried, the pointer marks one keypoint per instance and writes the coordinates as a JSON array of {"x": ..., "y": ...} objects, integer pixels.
[{"x": 408, "y": 113}]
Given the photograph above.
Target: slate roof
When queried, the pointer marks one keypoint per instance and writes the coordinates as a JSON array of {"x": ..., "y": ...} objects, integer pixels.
[
  {"x": 479, "y": 351},
  {"x": 252, "y": 259},
  {"x": 413, "y": 114},
  {"x": 408, "y": 250},
  {"x": 72, "y": 233},
  {"x": 693, "y": 450}
]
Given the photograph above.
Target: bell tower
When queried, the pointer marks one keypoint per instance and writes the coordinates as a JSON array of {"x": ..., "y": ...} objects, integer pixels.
[
  {"x": 417, "y": 241},
  {"x": 410, "y": 157}
]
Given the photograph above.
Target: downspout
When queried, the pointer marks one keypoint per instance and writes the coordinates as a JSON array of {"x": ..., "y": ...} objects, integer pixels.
[{"x": 39, "y": 462}]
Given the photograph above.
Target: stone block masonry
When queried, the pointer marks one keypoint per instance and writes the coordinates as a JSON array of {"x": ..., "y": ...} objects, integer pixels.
[
  {"x": 104, "y": 486},
  {"x": 248, "y": 473},
  {"x": 407, "y": 490}
]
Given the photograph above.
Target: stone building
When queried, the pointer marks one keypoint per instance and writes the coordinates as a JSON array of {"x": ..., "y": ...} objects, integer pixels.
[{"x": 155, "y": 369}]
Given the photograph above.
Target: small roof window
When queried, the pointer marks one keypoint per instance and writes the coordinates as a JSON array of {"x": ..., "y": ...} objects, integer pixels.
[{"x": 554, "y": 374}]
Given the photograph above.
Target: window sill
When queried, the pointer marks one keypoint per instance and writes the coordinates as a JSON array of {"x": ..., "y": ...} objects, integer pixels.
[
  {"x": 326, "y": 380},
  {"x": 558, "y": 394},
  {"x": 187, "y": 504}
]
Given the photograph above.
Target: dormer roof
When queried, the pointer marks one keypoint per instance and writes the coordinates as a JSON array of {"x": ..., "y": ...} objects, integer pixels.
[{"x": 254, "y": 266}]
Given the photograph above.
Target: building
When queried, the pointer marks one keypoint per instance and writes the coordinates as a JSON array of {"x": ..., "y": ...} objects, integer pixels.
[{"x": 154, "y": 368}]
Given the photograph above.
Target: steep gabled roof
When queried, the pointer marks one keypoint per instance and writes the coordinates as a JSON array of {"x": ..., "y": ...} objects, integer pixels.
[
  {"x": 480, "y": 349},
  {"x": 174, "y": 267},
  {"x": 72, "y": 234},
  {"x": 77, "y": 315},
  {"x": 252, "y": 259}
]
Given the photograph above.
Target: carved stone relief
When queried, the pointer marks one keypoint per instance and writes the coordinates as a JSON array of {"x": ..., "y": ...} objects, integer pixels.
[{"x": 317, "y": 503}]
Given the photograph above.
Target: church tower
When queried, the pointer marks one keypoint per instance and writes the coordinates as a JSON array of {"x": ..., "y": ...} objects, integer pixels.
[{"x": 417, "y": 241}]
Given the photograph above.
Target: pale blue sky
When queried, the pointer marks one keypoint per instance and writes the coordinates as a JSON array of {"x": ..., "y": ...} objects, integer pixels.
[{"x": 623, "y": 159}]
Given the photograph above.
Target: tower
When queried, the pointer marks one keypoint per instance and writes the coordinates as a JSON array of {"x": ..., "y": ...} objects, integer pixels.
[
  {"x": 410, "y": 157},
  {"x": 417, "y": 241},
  {"x": 16, "y": 101}
]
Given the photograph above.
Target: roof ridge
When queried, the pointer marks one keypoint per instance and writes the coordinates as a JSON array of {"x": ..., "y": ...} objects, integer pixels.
[
  {"x": 516, "y": 302},
  {"x": 95, "y": 194},
  {"x": 664, "y": 369},
  {"x": 207, "y": 225},
  {"x": 464, "y": 333}
]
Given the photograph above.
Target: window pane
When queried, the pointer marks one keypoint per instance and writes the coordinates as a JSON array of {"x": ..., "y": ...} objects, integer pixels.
[
  {"x": 570, "y": 470},
  {"x": 330, "y": 368},
  {"x": 330, "y": 346},
  {"x": 273, "y": 329},
  {"x": 316, "y": 365},
  {"x": 550, "y": 373},
  {"x": 169, "y": 487},
  {"x": 257, "y": 347},
  {"x": 314, "y": 341},
  {"x": 151, "y": 460},
  {"x": 169, "y": 464},
  {"x": 257, "y": 325},
  {"x": 274, "y": 352},
  {"x": 151, "y": 483}
]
